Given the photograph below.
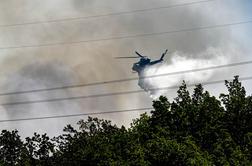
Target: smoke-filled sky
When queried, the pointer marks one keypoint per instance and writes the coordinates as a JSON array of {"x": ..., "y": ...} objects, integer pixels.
[{"x": 59, "y": 65}]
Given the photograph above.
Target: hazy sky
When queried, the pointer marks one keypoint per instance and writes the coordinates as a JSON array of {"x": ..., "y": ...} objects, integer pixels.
[{"x": 59, "y": 65}]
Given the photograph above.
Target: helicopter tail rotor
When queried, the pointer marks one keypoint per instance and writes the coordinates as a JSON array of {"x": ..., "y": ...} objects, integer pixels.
[{"x": 164, "y": 54}]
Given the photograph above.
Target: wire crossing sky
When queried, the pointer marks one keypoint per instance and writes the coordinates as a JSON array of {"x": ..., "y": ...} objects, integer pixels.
[
  {"x": 108, "y": 14},
  {"x": 76, "y": 115},
  {"x": 104, "y": 112},
  {"x": 127, "y": 79},
  {"x": 130, "y": 36},
  {"x": 110, "y": 94}
]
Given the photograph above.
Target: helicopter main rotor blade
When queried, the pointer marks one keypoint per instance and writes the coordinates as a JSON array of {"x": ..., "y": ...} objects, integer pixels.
[
  {"x": 126, "y": 57},
  {"x": 138, "y": 54}
]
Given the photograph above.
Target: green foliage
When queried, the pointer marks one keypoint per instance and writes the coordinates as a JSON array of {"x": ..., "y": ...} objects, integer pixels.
[
  {"x": 11, "y": 147},
  {"x": 195, "y": 129},
  {"x": 38, "y": 149}
]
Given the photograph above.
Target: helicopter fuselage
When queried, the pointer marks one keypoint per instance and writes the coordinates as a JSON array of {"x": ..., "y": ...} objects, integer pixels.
[{"x": 143, "y": 63}]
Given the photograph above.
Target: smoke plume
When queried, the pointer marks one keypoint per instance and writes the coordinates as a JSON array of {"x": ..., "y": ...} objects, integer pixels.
[{"x": 154, "y": 77}]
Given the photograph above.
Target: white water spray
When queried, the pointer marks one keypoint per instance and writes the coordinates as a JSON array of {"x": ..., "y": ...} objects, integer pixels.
[{"x": 180, "y": 62}]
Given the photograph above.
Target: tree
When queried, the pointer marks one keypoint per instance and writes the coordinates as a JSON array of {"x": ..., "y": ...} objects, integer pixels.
[
  {"x": 11, "y": 148},
  {"x": 195, "y": 129}
]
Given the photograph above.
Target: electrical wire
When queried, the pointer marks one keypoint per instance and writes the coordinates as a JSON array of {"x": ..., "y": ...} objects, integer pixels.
[
  {"x": 128, "y": 36},
  {"x": 109, "y": 94},
  {"x": 99, "y": 113},
  {"x": 106, "y": 15},
  {"x": 75, "y": 115},
  {"x": 124, "y": 80}
]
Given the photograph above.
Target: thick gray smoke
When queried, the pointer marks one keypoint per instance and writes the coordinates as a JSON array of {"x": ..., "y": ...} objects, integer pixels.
[{"x": 46, "y": 67}]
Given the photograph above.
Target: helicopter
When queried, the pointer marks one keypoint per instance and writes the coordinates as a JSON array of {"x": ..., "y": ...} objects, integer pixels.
[{"x": 144, "y": 62}]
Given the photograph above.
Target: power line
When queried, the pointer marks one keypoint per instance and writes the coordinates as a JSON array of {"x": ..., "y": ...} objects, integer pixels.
[
  {"x": 75, "y": 115},
  {"x": 109, "y": 94},
  {"x": 97, "y": 113},
  {"x": 128, "y": 36},
  {"x": 106, "y": 15},
  {"x": 124, "y": 80}
]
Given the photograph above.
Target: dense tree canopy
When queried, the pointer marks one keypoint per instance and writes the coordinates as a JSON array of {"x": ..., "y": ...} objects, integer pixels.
[{"x": 196, "y": 129}]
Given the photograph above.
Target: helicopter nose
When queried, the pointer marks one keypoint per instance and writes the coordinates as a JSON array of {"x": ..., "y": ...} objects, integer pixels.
[{"x": 134, "y": 67}]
